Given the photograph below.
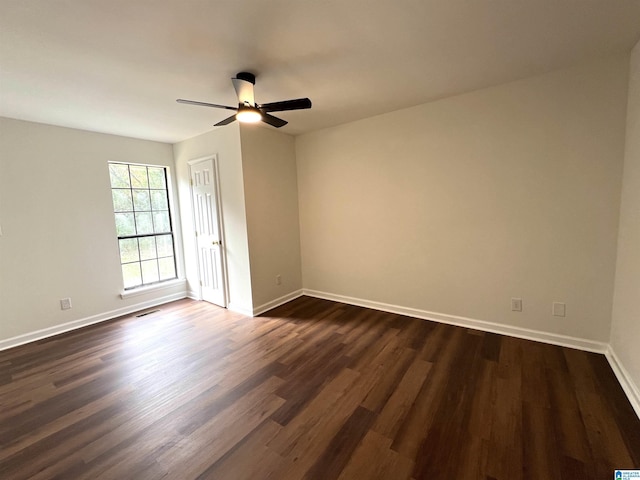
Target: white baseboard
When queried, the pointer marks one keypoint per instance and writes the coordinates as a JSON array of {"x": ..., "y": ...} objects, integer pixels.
[
  {"x": 277, "y": 302},
  {"x": 83, "y": 322},
  {"x": 519, "y": 332},
  {"x": 630, "y": 388},
  {"x": 193, "y": 295},
  {"x": 248, "y": 311}
]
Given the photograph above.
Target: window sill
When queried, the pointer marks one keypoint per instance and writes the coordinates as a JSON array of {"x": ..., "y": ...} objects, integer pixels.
[{"x": 134, "y": 292}]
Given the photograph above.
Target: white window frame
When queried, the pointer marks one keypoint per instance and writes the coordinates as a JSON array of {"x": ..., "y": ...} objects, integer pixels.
[{"x": 160, "y": 283}]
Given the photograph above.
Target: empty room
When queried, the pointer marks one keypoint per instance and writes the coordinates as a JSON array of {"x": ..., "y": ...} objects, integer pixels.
[{"x": 296, "y": 239}]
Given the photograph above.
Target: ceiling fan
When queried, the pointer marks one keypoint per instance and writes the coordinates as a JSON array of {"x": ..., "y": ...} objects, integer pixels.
[{"x": 248, "y": 110}]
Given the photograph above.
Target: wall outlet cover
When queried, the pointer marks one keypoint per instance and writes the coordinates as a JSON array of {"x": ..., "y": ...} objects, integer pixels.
[
  {"x": 516, "y": 304},
  {"x": 559, "y": 309}
]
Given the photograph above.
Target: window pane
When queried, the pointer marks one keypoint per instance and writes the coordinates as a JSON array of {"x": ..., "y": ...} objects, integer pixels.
[
  {"x": 167, "y": 268},
  {"x": 131, "y": 275},
  {"x": 119, "y": 175},
  {"x": 129, "y": 250},
  {"x": 159, "y": 200},
  {"x": 122, "y": 200},
  {"x": 150, "y": 271},
  {"x": 144, "y": 224},
  {"x": 161, "y": 222},
  {"x": 141, "y": 200},
  {"x": 141, "y": 208},
  {"x": 139, "y": 176},
  {"x": 147, "y": 248},
  {"x": 165, "y": 245},
  {"x": 125, "y": 224},
  {"x": 156, "y": 178}
]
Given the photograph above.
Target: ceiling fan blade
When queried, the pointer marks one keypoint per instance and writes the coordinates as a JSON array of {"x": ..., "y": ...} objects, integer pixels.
[
  {"x": 244, "y": 89},
  {"x": 273, "y": 121},
  {"x": 297, "y": 104},
  {"x": 203, "y": 104},
  {"x": 226, "y": 121}
]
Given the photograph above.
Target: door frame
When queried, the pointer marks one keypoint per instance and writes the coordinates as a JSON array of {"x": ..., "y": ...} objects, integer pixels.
[{"x": 223, "y": 247}]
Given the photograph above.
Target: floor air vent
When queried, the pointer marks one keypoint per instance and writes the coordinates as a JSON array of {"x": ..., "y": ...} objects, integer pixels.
[{"x": 147, "y": 313}]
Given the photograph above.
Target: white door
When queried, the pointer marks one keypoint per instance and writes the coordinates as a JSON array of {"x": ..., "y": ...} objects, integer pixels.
[{"x": 206, "y": 212}]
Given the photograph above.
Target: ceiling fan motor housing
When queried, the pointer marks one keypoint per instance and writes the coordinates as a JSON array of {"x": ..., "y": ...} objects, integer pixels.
[{"x": 247, "y": 77}]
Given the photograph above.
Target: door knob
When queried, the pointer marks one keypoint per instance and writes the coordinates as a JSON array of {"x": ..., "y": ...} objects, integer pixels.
[{"x": 216, "y": 242}]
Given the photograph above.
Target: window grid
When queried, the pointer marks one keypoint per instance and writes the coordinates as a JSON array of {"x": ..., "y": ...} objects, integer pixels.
[{"x": 141, "y": 208}]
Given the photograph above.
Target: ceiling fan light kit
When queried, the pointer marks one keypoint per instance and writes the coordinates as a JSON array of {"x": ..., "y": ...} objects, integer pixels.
[
  {"x": 248, "y": 111},
  {"x": 247, "y": 114}
]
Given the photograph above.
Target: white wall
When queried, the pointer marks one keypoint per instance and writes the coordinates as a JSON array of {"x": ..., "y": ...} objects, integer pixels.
[
  {"x": 58, "y": 229},
  {"x": 271, "y": 199},
  {"x": 225, "y": 142},
  {"x": 625, "y": 332},
  {"x": 458, "y": 205}
]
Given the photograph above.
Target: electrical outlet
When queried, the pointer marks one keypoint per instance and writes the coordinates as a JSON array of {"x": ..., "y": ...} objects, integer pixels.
[
  {"x": 278, "y": 280},
  {"x": 65, "y": 304},
  {"x": 516, "y": 304},
  {"x": 559, "y": 309}
]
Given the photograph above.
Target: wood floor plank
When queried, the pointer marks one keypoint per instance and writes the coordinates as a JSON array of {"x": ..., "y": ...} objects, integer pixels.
[
  {"x": 195, "y": 452},
  {"x": 234, "y": 464},
  {"x": 375, "y": 460},
  {"x": 395, "y": 410},
  {"x": 397, "y": 363},
  {"x": 506, "y": 437},
  {"x": 571, "y": 436},
  {"x": 313, "y": 389},
  {"x": 332, "y": 461},
  {"x": 627, "y": 421},
  {"x": 541, "y": 458},
  {"x": 411, "y": 434},
  {"x": 435, "y": 458},
  {"x": 303, "y": 440}
]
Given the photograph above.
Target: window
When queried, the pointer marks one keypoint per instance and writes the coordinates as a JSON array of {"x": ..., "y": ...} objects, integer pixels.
[{"x": 143, "y": 223}]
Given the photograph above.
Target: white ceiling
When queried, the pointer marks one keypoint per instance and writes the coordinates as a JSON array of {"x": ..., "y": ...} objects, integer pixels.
[{"x": 117, "y": 66}]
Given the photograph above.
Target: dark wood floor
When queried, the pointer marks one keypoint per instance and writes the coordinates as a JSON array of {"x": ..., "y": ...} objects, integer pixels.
[{"x": 313, "y": 390}]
